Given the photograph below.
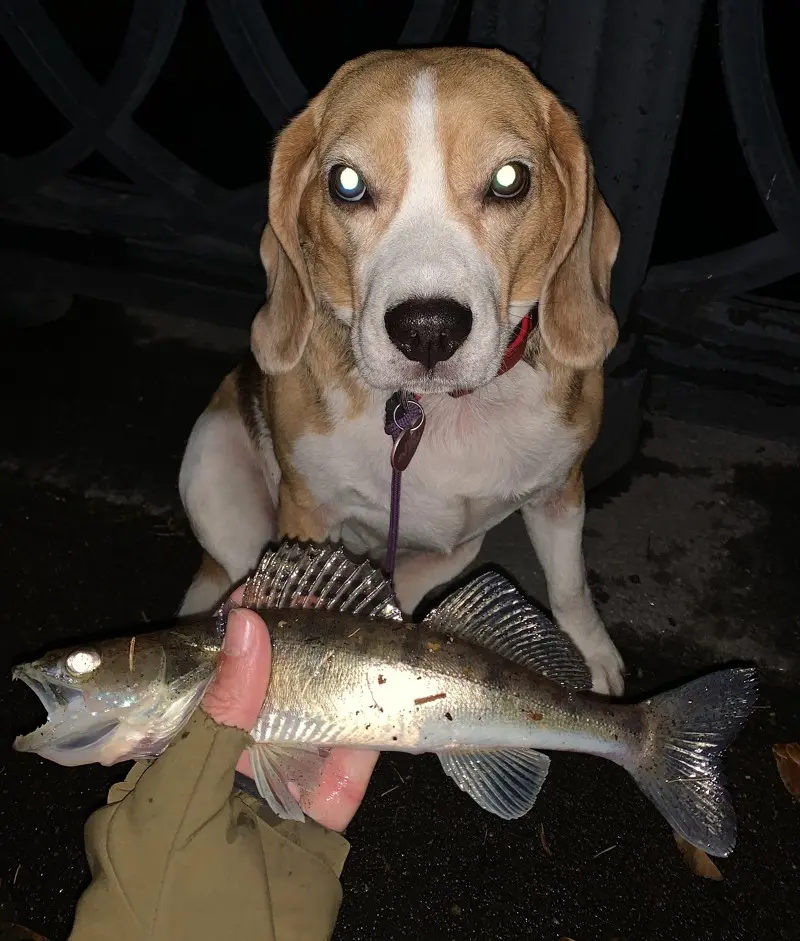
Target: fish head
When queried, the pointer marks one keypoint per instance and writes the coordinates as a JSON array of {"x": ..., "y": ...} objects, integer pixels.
[{"x": 115, "y": 700}]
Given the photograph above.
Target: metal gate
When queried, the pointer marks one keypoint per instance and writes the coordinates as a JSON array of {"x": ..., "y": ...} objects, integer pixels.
[{"x": 150, "y": 229}]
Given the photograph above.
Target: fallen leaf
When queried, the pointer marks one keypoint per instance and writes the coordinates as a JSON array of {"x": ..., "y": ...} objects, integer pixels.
[
  {"x": 14, "y": 932},
  {"x": 543, "y": 840},
  {"x": 698, "y": 861},
  {"x": 787, "y": 757}
]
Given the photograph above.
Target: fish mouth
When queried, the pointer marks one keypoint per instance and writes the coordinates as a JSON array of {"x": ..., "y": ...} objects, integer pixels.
[
  {"x": 69, "y": 731},
  {"x": 54, "y": 696}
]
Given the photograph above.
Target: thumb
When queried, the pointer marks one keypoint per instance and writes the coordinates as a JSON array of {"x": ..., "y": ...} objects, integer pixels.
[{"x": 237, "y": 692}]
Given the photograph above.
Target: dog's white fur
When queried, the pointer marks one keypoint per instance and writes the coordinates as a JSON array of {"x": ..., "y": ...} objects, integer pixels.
[{"x": 502, "y": 448}]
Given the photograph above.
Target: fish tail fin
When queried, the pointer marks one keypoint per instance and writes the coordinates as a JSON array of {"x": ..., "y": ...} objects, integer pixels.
[{"x": 679, "y": 764}]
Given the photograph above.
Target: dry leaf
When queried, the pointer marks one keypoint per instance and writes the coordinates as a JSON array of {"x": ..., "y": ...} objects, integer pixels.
[
  {"x": 787, "y": 757},
  {"x": 698, "y": 861},
  {"x": 543, "y": 840},
  {"x": 9, "y": 932}
]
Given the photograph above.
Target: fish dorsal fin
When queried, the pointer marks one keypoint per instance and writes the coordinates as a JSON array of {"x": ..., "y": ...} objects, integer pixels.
[
  {"x": 297, "y": 575},
  {"x": 491, "y": 612}
]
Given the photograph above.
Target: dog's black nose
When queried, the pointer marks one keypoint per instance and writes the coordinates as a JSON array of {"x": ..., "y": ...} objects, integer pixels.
[{"x": 430, "y": 330}]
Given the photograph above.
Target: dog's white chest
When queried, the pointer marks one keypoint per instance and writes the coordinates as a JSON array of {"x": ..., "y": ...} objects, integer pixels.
[{"x": 481, "y": 457}]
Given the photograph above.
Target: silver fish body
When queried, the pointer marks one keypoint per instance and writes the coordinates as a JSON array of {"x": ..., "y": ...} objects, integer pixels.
[
  {"x": 485, "y": 682},
  {"x": 419, "y": 690}
]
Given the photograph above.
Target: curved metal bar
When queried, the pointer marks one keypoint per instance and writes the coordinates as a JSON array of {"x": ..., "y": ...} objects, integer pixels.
[
  {"x": 428, "y": 21},
  {"x": 148, "y": 40},
  {"x": 755, "y": 111},
  {"x": 75, "y": 93},
  {"x": 762, "y": 261},
  {"x": 255, "y": 51},
  {"x": 105, "y": 208}
]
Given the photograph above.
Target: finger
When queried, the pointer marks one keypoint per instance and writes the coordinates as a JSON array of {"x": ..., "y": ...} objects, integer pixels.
[
  {"x": 237, "y": 692},
  {"x": 238, "y": 596},
  {"x": 342, "y": 785}
]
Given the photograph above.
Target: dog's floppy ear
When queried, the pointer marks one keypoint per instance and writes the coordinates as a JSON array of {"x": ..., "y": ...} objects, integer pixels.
[
  {"x": 576, "y": 322},
  {"x": 281, "y": 328}
]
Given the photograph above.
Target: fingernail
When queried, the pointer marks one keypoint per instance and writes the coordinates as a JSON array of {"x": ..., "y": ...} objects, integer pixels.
[{"x": 239, "y": 635}]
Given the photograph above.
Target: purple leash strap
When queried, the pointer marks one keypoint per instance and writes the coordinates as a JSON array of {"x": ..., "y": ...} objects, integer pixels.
[
  {"x": 404, "y": 423},
  {"x": 394, "y": 524}
]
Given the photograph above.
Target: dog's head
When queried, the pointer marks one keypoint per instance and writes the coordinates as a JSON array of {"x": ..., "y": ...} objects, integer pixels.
[{"x": 428, "y": 199}]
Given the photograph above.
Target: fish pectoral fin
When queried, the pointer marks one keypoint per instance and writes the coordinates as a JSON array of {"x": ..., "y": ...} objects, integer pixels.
[
  {"x": 275, "y": 767},
  {"x": 491, "y": 612},
  {"x": 505, "y": 781}
]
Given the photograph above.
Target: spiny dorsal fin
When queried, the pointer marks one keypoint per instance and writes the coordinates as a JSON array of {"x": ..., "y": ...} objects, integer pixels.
[
  {"x": 307, "y": 576},
  {"x": 491, "y": 612}
]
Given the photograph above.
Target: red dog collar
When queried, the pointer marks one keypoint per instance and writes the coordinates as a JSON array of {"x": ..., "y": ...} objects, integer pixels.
[{"x": 514, "y": 350}]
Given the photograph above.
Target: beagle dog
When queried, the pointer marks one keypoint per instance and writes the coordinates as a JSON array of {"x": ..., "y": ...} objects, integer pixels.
[{"x": 423, "y": 206}]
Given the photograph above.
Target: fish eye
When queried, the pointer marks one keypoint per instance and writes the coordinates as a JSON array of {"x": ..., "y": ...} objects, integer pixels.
[
  {"x": 347, "y": 185},
  {"x": 82, "y": 662},
  {"x": 511, "y": 181}
]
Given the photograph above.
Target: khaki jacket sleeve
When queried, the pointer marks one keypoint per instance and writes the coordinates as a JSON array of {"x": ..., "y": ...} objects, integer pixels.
[{"x": 176, "y": 855}]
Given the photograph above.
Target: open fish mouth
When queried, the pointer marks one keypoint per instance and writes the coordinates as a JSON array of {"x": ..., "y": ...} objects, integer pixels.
[
  {"x": 55, "y": 697},
  {"x": 67, "y": 728},
  {"x": 40, "y": 686}
]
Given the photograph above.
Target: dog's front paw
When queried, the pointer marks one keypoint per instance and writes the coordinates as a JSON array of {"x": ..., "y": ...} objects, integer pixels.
[
  {"x": 608, "y": 670},
  {"x": 598, "y": 650}
]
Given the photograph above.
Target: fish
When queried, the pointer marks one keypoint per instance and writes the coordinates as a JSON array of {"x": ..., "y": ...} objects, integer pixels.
[{"x": 486, "y": 681}]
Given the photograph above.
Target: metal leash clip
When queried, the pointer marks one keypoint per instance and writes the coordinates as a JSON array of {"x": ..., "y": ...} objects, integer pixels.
[{"x": 405, "y": 422}]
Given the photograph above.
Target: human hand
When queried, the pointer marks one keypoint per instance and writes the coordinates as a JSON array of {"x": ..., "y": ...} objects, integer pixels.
[{"x": 235, "y": 698}]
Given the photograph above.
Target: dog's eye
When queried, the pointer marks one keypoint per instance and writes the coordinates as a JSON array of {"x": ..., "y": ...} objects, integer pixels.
[
  {"x": 512, "y": 179},
  {"x": 347, "y": 184}
]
